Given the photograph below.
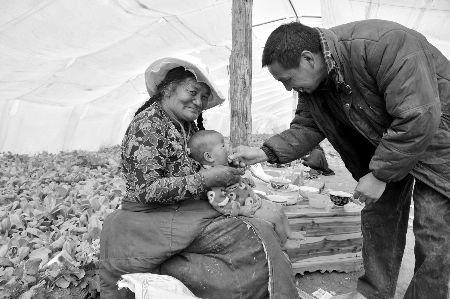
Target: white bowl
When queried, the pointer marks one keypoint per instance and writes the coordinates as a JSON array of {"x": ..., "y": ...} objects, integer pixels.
[
  {"x": 291, "y": 193},
  {"x": 278, "y": 198},
  {"x": 318, "y": 201},
  {"x": 305, "y": 191}
]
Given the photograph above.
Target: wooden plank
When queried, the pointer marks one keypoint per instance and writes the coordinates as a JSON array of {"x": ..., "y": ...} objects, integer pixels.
[
  {"x": 328, "y": 232},
  {"x": 324, "y": 231},
  {"x": 340, "y": 256},
  {"x": 302, "y": 257},
  {"x": 301, "y": 210},
  {"x": 325, "y": 246},
  {"x": 326, "y": 226},
  {"x": 325, "y": 220},
  {"x": 340, "y": 237},
  {"x": 333, "y": 263}
]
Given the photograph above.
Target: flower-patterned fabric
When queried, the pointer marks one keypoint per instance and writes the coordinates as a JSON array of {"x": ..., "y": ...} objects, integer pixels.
[
  {"x": 155, "y": 163},
  {"x": 235, "y": 200}
]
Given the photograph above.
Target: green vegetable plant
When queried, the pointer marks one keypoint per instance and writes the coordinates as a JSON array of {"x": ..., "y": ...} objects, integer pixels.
[{"x": 52, "y": 207}]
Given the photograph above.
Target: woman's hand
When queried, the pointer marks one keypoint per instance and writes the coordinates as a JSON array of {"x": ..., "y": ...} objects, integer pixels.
[
  {"x": 219, "y": 176},
  {"x": 246, "y": 155}
]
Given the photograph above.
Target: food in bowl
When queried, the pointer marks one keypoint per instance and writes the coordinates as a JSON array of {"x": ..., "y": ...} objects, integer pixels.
[
  {"x": 318, "y": 201},
  {"x": 340, "y": 198},
  {"x": 305, "y": 191},
  {"x": 291, "y": 193},
  {"x": 280, "y": 183}
]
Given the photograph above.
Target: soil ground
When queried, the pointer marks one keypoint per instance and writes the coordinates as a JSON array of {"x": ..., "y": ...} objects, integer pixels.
[{"x": 340, "y": 283}]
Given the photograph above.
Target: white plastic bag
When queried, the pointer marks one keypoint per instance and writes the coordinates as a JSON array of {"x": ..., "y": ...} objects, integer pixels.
[{"x": 148, "y": 286}]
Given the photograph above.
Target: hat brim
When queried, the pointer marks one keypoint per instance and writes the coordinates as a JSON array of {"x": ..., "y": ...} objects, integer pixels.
[{"x": 158, "y": 70}]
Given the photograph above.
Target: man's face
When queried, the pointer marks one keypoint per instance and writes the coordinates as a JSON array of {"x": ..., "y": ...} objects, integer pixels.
[{"x": 305, "y": 78}]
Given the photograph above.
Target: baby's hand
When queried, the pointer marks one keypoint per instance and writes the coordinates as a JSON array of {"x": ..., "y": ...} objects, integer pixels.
[{"x": 249, "y": 182}]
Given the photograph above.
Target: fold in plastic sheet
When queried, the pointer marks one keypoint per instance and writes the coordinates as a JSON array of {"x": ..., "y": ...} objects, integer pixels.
[
  {"x": 59, "y": 57},
  {"x": 429, "y": 17},
  {"x": 154, "y": 286}
]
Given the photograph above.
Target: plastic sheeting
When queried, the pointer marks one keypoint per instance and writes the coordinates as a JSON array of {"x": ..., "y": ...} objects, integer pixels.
[
  {"x": 272, "y": 106},
  {"x": 71, "y": 72},
  {"x": 429, "y": 17}
]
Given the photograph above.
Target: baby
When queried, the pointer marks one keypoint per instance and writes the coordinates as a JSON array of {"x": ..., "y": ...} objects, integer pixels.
[{"x": 207, "y": 147}]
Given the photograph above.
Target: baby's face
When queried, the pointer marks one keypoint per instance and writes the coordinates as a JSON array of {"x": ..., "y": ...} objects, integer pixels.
[{"x": 218, "y": 150}]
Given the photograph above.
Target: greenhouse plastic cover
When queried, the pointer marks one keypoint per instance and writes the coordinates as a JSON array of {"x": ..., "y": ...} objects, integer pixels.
[{"x": 72, "y": 72}]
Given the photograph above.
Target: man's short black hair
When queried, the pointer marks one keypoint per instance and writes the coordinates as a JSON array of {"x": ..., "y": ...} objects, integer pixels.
[{"x": 286, "y": 43}]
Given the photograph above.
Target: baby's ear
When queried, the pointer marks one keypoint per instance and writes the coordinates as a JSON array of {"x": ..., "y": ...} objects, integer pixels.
[{"x": 208, "y": 157}]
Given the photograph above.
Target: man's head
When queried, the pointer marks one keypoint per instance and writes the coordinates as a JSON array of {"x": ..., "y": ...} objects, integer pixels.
[
  {"x": 208, "y": 148},
  {"x": 293, "y": 56}
]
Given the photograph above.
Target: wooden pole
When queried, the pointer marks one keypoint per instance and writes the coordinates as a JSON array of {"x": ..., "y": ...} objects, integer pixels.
[{"x": 241, "y": 73}]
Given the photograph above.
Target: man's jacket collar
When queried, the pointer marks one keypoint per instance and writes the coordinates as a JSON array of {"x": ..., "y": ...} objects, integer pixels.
[{"x": 333, "y": 69}]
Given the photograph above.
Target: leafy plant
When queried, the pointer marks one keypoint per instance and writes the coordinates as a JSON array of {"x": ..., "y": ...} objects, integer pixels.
[
  {"x": 52, "y": 208},
  {"x": 51, "y": 215}
]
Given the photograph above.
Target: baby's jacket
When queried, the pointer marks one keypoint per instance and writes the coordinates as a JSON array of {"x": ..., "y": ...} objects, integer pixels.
[{"x": 235, "y": 200}]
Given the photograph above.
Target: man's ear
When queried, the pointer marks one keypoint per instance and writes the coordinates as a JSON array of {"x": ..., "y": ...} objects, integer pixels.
[
  {"x": 208, "y": 157},
  {"x": 308, "y": 57}
]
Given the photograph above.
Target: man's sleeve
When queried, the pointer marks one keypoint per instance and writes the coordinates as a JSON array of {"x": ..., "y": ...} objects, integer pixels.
[{"x": 292, "y": 144}]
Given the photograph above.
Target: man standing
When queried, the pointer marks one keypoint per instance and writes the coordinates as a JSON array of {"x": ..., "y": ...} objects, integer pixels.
[{"x": 380, "y": 93}]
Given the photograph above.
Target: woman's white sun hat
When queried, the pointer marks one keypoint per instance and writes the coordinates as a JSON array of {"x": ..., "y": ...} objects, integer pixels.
[{"x": 157, "y": 71}]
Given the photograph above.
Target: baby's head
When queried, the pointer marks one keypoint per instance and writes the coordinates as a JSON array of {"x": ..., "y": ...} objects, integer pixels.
[{"x": 208, "y": 148}]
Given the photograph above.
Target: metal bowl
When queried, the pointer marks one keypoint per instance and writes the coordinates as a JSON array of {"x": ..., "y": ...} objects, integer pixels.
[
  {"x": 340, "y": 198},
  {"x": 277, "y": 184}
]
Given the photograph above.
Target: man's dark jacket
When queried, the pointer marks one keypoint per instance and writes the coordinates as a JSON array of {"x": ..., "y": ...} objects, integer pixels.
[{"x": 395, "y": 120}]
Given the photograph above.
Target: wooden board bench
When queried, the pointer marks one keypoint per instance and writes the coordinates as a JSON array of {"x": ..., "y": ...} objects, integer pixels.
[
  {"x": 333, "y": 235},
  {"x": 333, "y": 238}
]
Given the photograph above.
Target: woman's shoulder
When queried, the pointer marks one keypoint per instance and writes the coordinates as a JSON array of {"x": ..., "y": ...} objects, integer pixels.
[
  {"x": 150, "y": 119},
  {"x": 152, "y": 112}
]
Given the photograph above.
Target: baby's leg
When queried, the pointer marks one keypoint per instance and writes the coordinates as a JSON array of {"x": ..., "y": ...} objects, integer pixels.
[
  {"x": 273, "y": 216},
  {"x": 266, "y": 204},
  {"x": 290, "y": 234},
  {"x": 274, "y": 213}
]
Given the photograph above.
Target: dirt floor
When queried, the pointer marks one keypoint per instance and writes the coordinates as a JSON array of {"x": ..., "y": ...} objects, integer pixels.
[{"x": 341, "y": 283}]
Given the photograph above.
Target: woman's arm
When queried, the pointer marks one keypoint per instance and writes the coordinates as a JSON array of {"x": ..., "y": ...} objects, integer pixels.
[
  {"x": 155, "y": 165},
  {"x": 157, "y": 168}
]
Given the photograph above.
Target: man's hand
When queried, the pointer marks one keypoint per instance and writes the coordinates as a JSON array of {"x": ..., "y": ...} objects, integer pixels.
[
  {"x": 369, "y": 189},
  {"x": 246, "y": 155}
]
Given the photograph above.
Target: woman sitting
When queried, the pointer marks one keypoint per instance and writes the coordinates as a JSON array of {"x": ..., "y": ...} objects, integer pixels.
[{"x": 166, "y": 225}]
